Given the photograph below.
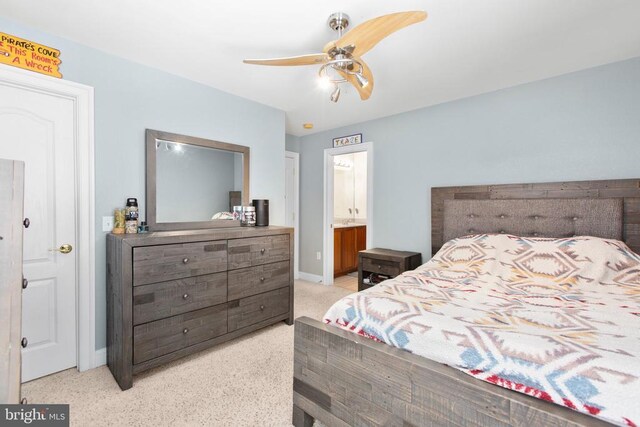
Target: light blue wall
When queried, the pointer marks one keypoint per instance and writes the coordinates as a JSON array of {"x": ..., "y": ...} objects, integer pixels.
[
  {"x": 130, "y": 98},
  {"x": 580, "y": 126},
  {"x": 292, "y": 143}
]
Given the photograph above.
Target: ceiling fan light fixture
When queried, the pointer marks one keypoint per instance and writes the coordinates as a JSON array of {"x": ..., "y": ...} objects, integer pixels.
[
  {"x": 340, "y": 58},
  {"x": 324, "y": 81},
  {"x": 362, "y": 80},
  {"x": 335, "y": 95}
]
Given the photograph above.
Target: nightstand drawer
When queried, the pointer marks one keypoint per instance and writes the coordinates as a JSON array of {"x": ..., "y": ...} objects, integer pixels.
[{"x": 389, "y": 268}]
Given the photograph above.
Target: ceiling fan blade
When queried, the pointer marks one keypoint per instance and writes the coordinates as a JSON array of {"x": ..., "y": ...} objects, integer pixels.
[
  {"x": 365, "y": 92},
  {"x": 315, "y": 58},
  {"x": 366, "y": 35}
]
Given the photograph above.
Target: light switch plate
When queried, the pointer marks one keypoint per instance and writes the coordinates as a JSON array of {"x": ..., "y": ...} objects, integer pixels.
[
  {"x": 318, "y": 255},
  {"x": 107, "y": 223}
]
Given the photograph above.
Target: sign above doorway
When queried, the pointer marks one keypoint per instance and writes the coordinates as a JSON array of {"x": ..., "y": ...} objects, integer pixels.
[
  {"x": 29, "y": 55},
  {"x": 347, "y": 140}
]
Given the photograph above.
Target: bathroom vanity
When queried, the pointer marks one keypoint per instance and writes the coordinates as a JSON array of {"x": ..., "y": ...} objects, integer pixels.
[{"x": 348, "y": 240}]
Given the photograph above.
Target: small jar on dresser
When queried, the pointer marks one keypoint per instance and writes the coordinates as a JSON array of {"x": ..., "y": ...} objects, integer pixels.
[{"x": 170, "y": 294}]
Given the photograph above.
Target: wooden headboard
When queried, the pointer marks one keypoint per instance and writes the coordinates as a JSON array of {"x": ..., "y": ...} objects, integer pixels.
[{"x": 628, "y": 190}]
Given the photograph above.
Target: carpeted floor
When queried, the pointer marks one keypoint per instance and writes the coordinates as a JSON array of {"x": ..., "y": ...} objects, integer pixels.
[{"x": 246, "y": 382}]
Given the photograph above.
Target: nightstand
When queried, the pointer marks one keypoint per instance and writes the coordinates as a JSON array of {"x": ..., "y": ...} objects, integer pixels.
[{"x": 376, "y": 265}]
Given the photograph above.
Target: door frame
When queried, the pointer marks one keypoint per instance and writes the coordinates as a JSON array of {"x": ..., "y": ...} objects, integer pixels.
[
  {"x": 327, "y": 213},
  {"x": 82, "y": 97},
  {"x": 296, "y": 202}
]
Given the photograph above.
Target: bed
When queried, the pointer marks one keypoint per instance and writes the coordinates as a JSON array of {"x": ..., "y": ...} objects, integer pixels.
[{"x": 341, "y": 378}]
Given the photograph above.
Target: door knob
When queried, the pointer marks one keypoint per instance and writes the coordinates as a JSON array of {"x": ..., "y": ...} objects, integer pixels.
[{"x": 65, "y": 249}]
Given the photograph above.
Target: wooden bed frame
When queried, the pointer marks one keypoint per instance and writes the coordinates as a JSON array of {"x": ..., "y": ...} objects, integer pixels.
[{"x": 343, "y": 379}]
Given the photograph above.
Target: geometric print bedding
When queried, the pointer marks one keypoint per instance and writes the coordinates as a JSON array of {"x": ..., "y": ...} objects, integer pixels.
[{"x": 557, "y": 319}]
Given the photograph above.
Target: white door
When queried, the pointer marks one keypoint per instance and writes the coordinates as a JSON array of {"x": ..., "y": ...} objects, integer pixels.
[
  {"x": 291, "y": 215},
  {"x": 38, "y": 129}
]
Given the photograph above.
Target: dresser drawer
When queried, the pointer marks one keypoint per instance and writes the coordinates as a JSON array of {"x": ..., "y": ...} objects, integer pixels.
[
  {"x": 160, "y": 263},
  {"x": 390, "y": 268},
  {"x": 254, "y": 309},
  {"x": 255, "y": 280},
  {"x": 160, "y": 300},
  {"x": 258, "y": 250},
  {"x": 165, "y": 336}
]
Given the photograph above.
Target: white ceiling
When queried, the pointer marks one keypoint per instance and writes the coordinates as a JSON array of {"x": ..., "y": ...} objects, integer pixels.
[{"x": 464, "y": 48}]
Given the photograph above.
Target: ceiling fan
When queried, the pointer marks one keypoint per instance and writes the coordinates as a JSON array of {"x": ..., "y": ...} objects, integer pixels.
[{"x": 341, "y": 59}]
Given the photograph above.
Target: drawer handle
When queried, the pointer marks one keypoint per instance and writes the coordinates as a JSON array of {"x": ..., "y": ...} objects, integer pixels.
[
  {"x": 185, "y": 296},
  {"x": 379, "y": 266},
  {"x": 185, "y": 260},
  {"x": 25, "y": 283},
  {"x": 262, "y": 279},
  {"x": 262, "y": 307},
  {"x": 24, "y": 342},
  {"x": 24, "y": 401},
  {"x": 185, "y": 331},
  {"x": 26, "y": 223},
  {"x": 262, "y": 251}
]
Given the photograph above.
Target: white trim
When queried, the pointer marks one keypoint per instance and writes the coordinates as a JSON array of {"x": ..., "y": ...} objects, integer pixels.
[
  {"x": 82, "y": 96},
  {"x": 310, "y": 277},
  {"x": 100, "y": 357},
  {"x": 327, "y": 213},
  {"x": 296, "y": 195}
]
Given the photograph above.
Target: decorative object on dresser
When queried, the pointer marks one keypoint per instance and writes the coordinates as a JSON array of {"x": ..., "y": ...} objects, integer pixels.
[
  {"x": 170, "y": 294},
  {"x": 376, "y": 265},
  {"x": 347, "y": 242},
  {"x": 11, "y": 280}
]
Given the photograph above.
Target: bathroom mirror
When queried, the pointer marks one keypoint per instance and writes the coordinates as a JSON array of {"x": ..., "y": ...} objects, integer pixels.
[{"x": 192, "y": 182}]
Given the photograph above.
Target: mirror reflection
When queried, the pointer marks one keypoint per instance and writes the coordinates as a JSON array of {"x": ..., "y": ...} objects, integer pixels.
[{"x": 196, "y": 183}]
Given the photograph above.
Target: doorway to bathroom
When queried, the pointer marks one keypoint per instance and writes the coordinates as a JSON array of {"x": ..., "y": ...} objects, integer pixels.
[{"x": 348, "y": 212}]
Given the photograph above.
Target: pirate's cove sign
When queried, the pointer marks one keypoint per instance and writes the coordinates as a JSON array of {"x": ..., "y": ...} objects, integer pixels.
[{"x": 28, "y": 55}]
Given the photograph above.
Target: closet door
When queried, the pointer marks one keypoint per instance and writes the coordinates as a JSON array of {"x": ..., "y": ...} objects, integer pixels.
[{"x": 11, "y": 217}]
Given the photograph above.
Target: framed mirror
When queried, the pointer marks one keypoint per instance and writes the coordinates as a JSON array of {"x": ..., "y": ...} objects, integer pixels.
[{"x": 192, "y": 182}]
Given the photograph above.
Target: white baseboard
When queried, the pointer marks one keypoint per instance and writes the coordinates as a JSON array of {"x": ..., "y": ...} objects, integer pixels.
[
  {"x": 310, "y": 277},
  {"x": 100, "y": 357}
]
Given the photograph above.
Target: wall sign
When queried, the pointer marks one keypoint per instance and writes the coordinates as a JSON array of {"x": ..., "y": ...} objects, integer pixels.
[
  {"x": 347, "y": 140},
  {"x": 28, "y": 55}
]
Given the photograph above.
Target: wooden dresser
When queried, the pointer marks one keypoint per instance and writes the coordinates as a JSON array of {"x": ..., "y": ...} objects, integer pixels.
[{"x": 170, "y": 294}]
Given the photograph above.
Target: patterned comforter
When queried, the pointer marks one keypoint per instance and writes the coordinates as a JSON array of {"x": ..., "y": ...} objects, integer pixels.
[{"x": 557, "y": 319}]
